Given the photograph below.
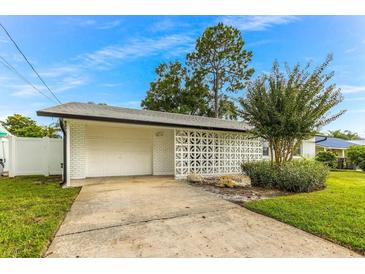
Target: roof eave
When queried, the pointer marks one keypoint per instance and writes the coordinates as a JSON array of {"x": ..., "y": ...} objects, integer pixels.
[
  {"x": 128, "y": 121},
  {"x": 332, "y": 147}
]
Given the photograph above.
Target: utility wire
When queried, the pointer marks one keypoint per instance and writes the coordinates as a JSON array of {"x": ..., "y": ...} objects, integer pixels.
[
  {"x": 6, "y": 64},
  {"x": 31, "y": 66}
]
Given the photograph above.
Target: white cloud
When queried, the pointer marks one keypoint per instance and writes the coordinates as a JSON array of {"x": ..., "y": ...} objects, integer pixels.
[
  {"x": 26, "y": 90},
  {"x": 352, "y": 89},
  {"x": 73, "y": 74},
  {"x": 68, "y": 76},
  {"x": 258, "y": 22},
  {"x": 137, "y": 48},
  {"x": 109, "y": 25},
  {"x": 351, "y": 50},
  {"x": 59, "y": 71},
  {"x": 355, "y": 99},
  {"x": 111, "y": 85},
  {"x": 4, "y": 79},
  {"x": 91, "y": 23},
  {"x": 65, "y": 84},
  {"x": 167, "y": 24},
  {"x": 259, "y": 43},
  {"x": 163, "y": 25},
  {"x": 86, "y": 23},
  {"x": 4, "y": 40},
  {"x": 131, "y": 104},
  {"x": 357, "y": 111},
  {"x": 68, "y": 83},
  {"x": 15, "y": 109}
]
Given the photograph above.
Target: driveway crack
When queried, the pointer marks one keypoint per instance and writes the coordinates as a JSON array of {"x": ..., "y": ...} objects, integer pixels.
[{"x": 147, "y": 221}]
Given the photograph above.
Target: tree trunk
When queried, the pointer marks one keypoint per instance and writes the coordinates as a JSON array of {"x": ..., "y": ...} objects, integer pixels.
[
  {"x": 216, "y": 104},
  {"x": 271, "y": 152},
  {"x": 216, "y": 98}
]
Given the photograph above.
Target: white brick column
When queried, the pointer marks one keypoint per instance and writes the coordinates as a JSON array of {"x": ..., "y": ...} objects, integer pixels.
[{"x": 77, "y": 151}]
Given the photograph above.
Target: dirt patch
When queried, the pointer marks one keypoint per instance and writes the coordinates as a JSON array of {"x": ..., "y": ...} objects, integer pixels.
[{"x": 240, "y": 194}]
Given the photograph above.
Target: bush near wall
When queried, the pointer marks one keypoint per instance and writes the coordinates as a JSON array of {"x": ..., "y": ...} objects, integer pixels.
[
  {"x": 328, "y": 158},
  {"x": 294, "y": 176}
]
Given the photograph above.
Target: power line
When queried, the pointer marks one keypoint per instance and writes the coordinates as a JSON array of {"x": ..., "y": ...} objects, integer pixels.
[
  {"x": 31, "y": 66},
  {"x": 6, "y": 64}
]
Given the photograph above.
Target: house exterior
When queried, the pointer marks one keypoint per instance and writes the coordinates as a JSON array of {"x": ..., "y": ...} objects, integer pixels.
[
  {"x": 103, "y": 141},
  {"x": 306, "y": 150},
  {"x": 335, "y": 145},
  {"x": 360, "y": 142},
  {"x": 112, "y": 141}
]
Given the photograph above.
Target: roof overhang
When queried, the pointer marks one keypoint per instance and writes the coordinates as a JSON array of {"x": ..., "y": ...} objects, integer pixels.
[
  {"x": 136, "y": 121},
  {"x": 331, "y": 147},
  {"x": 126, "y": 121}
]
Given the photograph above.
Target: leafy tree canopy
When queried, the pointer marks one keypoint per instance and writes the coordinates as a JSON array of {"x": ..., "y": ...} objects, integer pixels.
[
  {"x": 287, "y": 108},
  {"x": 356, "y": 154},
  {"x": 218, "y": 65},
  {"x": 176, "y": 91},
  {"x": 221, "y": 58},
  {"x": 23, "y": 126},
  {"x": 346, "y": 134}
]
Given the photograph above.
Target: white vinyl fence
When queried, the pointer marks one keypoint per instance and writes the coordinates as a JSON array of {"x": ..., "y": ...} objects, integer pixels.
[{"x": 35, "y": 156}]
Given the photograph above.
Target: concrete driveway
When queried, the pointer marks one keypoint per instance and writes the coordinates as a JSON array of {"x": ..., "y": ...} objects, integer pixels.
[{"x": 159, "y": 217}]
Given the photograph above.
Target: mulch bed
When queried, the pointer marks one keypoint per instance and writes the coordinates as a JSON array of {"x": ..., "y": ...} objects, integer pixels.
[{"x": 241, "y": 194}]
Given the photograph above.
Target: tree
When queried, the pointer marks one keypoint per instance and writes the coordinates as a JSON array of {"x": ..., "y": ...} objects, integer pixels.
[
  {"x": 328, "y": 158},
  {"x": 53, "y": 130},
  {"x": 222, "y": 60},
  {"x": 176, "y": 91},
  {"x": 22, "y": 126},
  {"x": 356, "y": 154},
  {"x": 287, "y": 108},
  {"x": 346, "y": 135}
]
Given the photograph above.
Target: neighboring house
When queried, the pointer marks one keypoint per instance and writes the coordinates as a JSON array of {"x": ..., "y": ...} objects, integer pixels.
[
  {"x": 360, "y": 142},
  {"x": 335, "y": 145},
  {"x": 4, "y": 149},
  {"x": 113, "y": 141},
  {"x": 306, "y": 150}
]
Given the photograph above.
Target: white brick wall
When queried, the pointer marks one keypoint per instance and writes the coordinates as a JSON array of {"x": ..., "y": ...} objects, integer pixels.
[
  {"x": 78, "y": 149},
  {"x": 163, "y": 152}
]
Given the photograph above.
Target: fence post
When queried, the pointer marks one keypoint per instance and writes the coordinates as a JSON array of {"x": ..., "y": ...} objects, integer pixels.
[{"x": 12, "y": 155}]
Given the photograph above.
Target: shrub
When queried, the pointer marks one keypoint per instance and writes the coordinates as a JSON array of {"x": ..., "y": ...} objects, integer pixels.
[
  {"x": 262, "y": 173},
  {"x": 302, "y": 176},
  {"x": 328, "y": 158},
  {"x": 294, "y": 176},
  {"x": 356, "y": 154}
]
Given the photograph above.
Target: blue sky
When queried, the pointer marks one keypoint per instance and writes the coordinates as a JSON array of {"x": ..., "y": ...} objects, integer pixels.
[{"x": 111, "y": 59}]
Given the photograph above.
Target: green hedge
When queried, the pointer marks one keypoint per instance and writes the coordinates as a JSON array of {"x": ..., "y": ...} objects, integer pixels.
[
  {"x": 294, "y": 176},
  {"x": 356, "y": 154},
  {"x": 328, "y": 158}
]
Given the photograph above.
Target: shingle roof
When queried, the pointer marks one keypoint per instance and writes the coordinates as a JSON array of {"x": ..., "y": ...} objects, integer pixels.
[
  {"x": 125, "y": 115},
  {"x": 331, "y": 142}
]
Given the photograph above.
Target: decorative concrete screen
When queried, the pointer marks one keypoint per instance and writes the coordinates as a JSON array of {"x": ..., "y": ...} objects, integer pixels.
[{"x": 213, "y": 152}]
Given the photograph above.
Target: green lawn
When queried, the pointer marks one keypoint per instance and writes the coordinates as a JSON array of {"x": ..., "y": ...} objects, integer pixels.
[
  {"x": 31, "y": 209},
  {"x": 336, "y": 213}
]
